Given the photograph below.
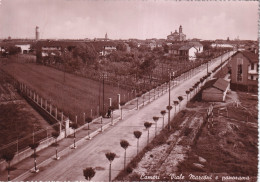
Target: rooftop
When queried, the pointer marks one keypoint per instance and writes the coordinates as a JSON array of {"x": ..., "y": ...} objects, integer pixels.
[
  {"x": 185, "y": 47},
  {"x": 221, "y": 84},
  {"x": 252, "y": 57}
]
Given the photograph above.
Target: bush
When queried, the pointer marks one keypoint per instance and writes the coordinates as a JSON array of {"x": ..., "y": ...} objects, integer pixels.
[{"x": 129, "y": 169}]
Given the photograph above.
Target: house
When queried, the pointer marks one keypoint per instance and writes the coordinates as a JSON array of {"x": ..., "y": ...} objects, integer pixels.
[
  {"x": 197, "y": 45},
  {"x": 222, "y": 45},
  {"x": 174, "y": 49},
  {"x": 108, "y": 49},
  {"x": 244, "y": 69},
  {"x": 25, "y": 48},
  {"x": 215, "y": 90},
  {"x": 188, "y": 51}
]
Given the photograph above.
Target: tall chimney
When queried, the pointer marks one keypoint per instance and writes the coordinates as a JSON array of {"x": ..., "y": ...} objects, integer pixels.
[{"x": 37, "y": 33}]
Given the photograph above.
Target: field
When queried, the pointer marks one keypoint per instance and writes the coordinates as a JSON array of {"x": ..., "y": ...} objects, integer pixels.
[
  {"x": 71, "y": 94},
  {"x": 17, "y": 118},
  {"x": 226, "y": 146}
]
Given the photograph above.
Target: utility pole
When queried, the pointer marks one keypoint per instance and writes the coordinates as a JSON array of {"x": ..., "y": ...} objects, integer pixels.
[
  {"x": 169, "y": 111},
  {"x": 207, "y": 66},
  {"x": 103, "y": 93},
  {"x": 103, "y": 77}
]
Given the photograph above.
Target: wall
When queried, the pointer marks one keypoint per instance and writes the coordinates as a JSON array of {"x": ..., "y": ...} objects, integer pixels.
[
  {"x": 192, "y": 53},
  {"x": 234, "y": 64},
  {"x": 212, "y": 94},
  {"x": 28, "y": 151}
]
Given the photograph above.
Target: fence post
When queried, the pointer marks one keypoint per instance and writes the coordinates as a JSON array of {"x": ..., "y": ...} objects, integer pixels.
[
  {"x": 76, "y": 119},
  {"x": 50, "y": 109},
  {"x": 37, "y": 98},
  {"x": 84, "y": 117},
  {"x": 33, "y": 96},
  {"x": 41, "y": 101},
  {"x": 46, "y": 105},
  {"x": 56, "y": 113},
  {"x": 91, "y": 113},
  {"x": 61, "y": 118},
  {"x": 118, "y": 100}
]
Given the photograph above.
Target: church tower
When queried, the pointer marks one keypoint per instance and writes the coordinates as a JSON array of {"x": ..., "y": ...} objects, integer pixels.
[
  {"x": 180, "y": 29},
  {"x": 106, "y": 36}
]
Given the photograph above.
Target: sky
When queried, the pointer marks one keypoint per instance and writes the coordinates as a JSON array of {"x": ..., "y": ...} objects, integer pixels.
[{"x": 124, "y": 19}]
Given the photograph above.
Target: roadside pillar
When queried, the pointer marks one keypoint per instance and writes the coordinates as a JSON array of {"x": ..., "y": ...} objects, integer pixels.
[
  {"x": 118, "y": 100},
  {"x": 110, "y": 101}
]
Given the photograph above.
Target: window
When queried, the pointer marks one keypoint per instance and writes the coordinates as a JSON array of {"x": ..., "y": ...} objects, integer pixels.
[
  {"x": 239, "y": 73},
  {"x": 252, "y": 77},
  {"x": 252, "y": 66}
]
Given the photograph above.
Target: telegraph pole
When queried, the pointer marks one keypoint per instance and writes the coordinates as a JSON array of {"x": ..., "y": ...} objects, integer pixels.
[
  {"x": 103, "y": 93},
  {"x": 169, "y": 113}
]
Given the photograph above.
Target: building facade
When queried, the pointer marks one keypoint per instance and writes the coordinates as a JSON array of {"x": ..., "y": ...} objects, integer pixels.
[
  {"x": 188, "y": 52},
  {"x": 245, "y": 69},
  {"x": 177, "y": 36}
]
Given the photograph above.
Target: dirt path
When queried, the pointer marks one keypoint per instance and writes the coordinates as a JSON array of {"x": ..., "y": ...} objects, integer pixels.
[{"x": 92, "y": 154}]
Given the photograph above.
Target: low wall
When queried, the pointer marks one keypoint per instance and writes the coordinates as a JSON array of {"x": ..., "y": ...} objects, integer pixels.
[{"x": 27, "y": 152}]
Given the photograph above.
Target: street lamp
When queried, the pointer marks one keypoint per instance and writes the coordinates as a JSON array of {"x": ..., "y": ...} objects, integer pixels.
[
  {"x": 103, "y": 76},
  {"x": 171, "y": 75}
]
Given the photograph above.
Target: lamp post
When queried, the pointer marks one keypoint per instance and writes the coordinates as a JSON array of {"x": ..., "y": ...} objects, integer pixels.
[
  {"x": 169, "y": 104},
  {"x": 103, "y": 77}
]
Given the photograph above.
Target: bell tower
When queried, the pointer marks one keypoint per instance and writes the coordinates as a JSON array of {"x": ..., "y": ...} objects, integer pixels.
[{"x": 180, "y": 29}]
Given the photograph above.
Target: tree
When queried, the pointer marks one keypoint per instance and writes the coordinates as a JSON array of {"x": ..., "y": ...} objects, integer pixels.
[
  {"x": 88, "y": 120},
  {"x": 180, "y": 100},
  {"x": 56, "y": 135},
  {"x": 163, "y": 112},
  {"x": 124, "y": 144},
  {"x": 12, "y": 50},
  {"x": 137, "y": 135},
  {"x": 110, "y": 156},
  {"x": 74, "y": 126},
  {"x": 89, "y": 173},
  {"x": 187, "y": 92},
  {"x": 86, "y": 52},
  {"x": 191, "y": 89},
  {"x": 34, "y": 146},
  {"x": 155, "y": 118},
  {"x": 8, "y": 157},
  {"x": 121, "y": 47},
  {"x": 147, "y": 125}
]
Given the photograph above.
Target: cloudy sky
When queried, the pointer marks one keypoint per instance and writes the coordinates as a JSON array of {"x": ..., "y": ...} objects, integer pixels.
[{"x": 128, "y": 19}]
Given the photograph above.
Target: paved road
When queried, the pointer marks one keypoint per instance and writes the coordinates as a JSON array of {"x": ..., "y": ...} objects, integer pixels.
[{"x": 92, "y": 154}]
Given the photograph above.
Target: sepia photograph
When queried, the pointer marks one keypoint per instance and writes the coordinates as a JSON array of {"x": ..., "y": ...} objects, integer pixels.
[{"x": 129, "y": 90}]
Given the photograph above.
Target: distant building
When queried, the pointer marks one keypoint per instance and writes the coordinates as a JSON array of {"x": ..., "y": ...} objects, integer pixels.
[
  {"x": 25, "y": 48},
  {"x": 188, "y": 51},
  {"x": 37, "y": 33},
  {"x": 106, "y": 36},
  {"x": 108, "y": 50},
  {"x": 221, "y": 45},
  {"x": 215, "y": 90},
  {"x": 244, "y": 69},
  {"x": 177, "y": 36},
  {"x": 174, "y": 49},
  {"x": 197, "y": 45}
]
